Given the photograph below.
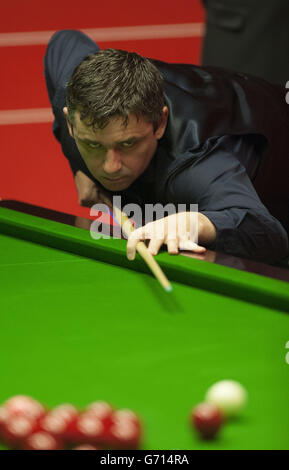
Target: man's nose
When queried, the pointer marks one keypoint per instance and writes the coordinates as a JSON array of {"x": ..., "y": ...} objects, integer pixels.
[{"x": 112, "y": 163}]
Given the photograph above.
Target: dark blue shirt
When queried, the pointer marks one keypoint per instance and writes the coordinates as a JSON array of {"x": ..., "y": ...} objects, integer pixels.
[{"x": 225, "y": 148}]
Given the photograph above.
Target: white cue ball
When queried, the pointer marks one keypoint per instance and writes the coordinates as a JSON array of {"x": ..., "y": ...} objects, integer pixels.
[{"x": 230, "y": 396}]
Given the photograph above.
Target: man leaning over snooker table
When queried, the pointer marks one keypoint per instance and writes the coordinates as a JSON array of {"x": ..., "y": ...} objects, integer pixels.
[{"x": 155, "y": 132}]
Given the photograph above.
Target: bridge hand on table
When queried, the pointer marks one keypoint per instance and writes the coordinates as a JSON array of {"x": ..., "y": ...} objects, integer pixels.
[{"x": 172, "y": 230}]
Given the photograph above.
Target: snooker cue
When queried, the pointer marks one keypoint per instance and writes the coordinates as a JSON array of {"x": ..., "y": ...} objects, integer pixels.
[{"x": 141, "y": 248}]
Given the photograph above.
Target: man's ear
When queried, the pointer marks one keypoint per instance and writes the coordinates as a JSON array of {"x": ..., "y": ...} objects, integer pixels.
[
  {"x": 163, "y": 123},
  {"x": 69, "y": 125}
]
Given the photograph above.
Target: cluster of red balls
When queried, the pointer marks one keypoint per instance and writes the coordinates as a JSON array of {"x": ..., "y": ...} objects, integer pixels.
[{"x": 27, "y": 424}]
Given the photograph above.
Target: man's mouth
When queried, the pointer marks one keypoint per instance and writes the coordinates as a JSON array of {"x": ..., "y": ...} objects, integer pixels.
[{"x": 114, "y": 179}]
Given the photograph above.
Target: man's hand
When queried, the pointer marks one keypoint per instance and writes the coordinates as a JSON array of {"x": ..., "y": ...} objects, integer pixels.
[
  {"x": 178, "y": 231},
  {"x": 89, "y": 193}
]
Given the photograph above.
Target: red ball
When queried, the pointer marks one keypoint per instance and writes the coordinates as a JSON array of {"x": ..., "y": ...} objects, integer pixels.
[
  {"x": 125, "y": 430},
  {"x": 101, "y": 409},
  {"x": 22, "y": 405},
  {"x": 59, "y": 421},
  {"x": 85, "y": 447},
  {"x": 207, "y": 419},
  {"x": 41, "y": 440},
  {"x": 4, "y": 416},
  {"x": 16, "y": 429},
  {"x": 89, "y": 429},
  {"x": 66, "y": 410}
]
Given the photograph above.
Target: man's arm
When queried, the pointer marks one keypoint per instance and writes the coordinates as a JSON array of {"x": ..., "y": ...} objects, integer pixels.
[
  {"x": 219, "y": 184},
  {"x": 231, "y": 217}
]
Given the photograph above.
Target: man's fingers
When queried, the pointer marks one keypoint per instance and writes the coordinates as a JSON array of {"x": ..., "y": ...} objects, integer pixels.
[
  {"x": 191, "y": 246},
  {"x": 91, "y": 196},
  {"x": 172, "y": 245},
  {"x": 88, "y": 201},
  {"x": 87, "y": 198},
  {"x": 147, "y": 232},
  {"x": 152, "y": 231},
  {"x": 135, "y": 237},
  {"x": 155, "y": 245},
  {"x": 89, "y": 193}
]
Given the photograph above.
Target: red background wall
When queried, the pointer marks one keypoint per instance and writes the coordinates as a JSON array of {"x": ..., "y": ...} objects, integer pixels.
[{"x": 32, "y": 166}]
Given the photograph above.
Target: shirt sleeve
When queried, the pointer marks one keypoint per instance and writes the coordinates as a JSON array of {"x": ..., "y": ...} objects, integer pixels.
[
  {"x": 218, "y": 182},
  {"x": 65, "y": 51}
]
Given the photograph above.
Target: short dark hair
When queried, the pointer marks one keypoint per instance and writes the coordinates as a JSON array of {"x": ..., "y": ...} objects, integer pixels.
[{"x": 113, "y": 83}]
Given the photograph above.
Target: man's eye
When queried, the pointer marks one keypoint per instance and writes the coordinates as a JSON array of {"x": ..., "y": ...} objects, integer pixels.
[
  {"x": 127, "y": 144},
  {"x": 93, "y": 146}
]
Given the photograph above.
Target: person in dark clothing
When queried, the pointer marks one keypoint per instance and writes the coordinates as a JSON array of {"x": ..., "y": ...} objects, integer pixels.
[
  {"x": 174, "y": 133},
  {"x": 248, "y": 36}
]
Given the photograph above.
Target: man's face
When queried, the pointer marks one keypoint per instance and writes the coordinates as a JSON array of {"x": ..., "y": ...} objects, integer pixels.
[{"x": 117, "y": 155}]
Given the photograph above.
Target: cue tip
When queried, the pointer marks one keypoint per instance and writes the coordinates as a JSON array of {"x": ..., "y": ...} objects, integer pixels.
[{"x": 169, "y": 288}]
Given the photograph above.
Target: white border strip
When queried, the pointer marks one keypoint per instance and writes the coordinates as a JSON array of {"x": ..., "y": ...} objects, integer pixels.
[
  {"x": 122, "y": 33},
  {"x": 25, "y": 116}
]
